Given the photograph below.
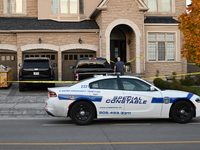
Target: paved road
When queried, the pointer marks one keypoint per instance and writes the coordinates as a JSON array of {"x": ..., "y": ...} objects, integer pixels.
[
  {"x": 62, "y": 134},
  {"x": 27, "y": 104}
]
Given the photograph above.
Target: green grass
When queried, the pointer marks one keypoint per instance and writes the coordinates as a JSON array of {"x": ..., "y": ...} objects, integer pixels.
[{"x": 197, "y": 89}]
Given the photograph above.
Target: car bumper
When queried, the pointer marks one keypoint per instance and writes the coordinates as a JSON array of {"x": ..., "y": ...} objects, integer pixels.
[{"x": 56, "y": 108}]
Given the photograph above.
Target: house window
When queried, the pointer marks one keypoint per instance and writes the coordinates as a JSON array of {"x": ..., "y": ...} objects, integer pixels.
[
  {"x": 159, "y": 5},
  {"x": 161, "y": 47},
  {"x": 68, "y": 6},
  {"x": 15, "y": 6}
]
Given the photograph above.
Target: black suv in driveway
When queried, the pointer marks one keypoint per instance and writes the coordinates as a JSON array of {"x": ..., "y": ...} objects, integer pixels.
[{"x": 36, "y": 69}]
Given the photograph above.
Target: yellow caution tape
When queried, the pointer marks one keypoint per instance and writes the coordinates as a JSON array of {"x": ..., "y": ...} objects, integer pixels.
[
  {"x": 111, "y": 61},
  {"x": 195, "y": 73},
  {"x": 129, "y": 60},
  {"x": 191, "y": 63},
  {"x": 134, "y": 59},
  {"x": 43, "y": 81}
]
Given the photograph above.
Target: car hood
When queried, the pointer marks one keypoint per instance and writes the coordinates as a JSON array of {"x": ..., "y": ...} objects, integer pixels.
[{"x": 177, "y": 93}]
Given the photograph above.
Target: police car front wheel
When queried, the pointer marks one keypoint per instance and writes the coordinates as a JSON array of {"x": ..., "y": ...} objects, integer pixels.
[
  {"x": 182, "y": 112},
  {"x": 82, "y": 113}
]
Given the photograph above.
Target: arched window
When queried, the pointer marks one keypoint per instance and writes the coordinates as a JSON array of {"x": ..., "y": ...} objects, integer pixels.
[{"x": 68, "y": 6}]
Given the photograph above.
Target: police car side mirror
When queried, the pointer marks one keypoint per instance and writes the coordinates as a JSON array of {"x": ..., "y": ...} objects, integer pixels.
[{"x": 152, "y": 88}]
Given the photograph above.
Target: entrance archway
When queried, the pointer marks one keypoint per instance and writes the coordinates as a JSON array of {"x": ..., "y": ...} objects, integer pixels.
[{"x": 134, "y": 38}]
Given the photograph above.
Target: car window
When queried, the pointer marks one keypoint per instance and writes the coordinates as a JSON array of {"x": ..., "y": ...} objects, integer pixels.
[
  {"x": 135, "y": 85},
  {"x": 105, "y": 84},
  {"x": 94, "y": 63},
  {"x": 36, "y": 64}
]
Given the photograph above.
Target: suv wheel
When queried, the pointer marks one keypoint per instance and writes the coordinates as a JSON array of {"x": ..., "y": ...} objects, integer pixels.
[{"x": 21, "y": 88}]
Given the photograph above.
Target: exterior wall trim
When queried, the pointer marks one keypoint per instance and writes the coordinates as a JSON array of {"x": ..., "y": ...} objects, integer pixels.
[
  {"x": 8, "y": 47},
  {"x": 137, "y": 36},
  {"x": 39, "y": 46},
  {"x": 159, "y": 24},
  {"x": 50, "y": 31},
  {"x": 78, "y": 46}
]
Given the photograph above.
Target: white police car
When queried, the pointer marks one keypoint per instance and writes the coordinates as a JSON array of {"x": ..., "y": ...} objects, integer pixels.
[{"x": 120, "y": 97}]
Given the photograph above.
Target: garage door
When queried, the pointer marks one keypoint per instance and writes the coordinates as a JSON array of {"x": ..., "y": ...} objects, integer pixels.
[
  {"x": 69, "y": 59},
  {"x": 9, "y": 59},
  {"x": 52, "y": 56}
]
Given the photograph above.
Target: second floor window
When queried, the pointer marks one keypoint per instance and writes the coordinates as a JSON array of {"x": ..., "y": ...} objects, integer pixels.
[
  {"x": 68, "y": 6},
  {"x": 161, "y": 47},
  {"x": 15, "y": 6},
  {"x": 159, "y": 5}
]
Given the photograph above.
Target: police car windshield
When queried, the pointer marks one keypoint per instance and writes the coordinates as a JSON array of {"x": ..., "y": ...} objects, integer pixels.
[
  {"x": 93, "y": 63},
  {"x": 36, "y": 64}
]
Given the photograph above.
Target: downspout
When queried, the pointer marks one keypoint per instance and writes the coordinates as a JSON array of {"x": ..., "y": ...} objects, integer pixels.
[{"x": 144, "y": 43}]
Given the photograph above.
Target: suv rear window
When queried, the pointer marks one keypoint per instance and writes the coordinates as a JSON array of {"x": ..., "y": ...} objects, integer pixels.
[
  {"x": 93, "y": 63},
  {"x": 36, "y": 64}
]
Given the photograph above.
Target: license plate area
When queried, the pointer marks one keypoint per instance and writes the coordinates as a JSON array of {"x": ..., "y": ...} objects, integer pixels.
[{"x": 36, "y": 73}]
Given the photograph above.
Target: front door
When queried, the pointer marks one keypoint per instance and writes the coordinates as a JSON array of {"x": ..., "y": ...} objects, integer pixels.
[{"x": 117, "y": 45}]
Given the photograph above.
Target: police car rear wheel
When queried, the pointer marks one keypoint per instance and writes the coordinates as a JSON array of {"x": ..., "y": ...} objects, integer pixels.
[
  {"x": 82, "y": 113},
  {"x": 182, "y": 112}
]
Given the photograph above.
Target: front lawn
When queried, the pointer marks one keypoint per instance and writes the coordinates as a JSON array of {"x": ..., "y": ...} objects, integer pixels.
[{"x": 197, "y": 89}]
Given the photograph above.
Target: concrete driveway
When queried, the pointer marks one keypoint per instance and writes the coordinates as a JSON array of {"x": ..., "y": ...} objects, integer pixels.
[{"x": 27, "y": 104}]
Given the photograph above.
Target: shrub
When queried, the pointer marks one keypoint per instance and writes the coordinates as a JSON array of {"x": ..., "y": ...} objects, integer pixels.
[
  {"x": 175, "y": 85},
  {"x": 161, "y": 84},
  {"x": 188, "y": 81},
  {"x": 197, "y": 80}
]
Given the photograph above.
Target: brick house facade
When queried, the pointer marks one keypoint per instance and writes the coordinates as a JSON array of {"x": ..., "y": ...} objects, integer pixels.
[{"x": 144, "y": 32}]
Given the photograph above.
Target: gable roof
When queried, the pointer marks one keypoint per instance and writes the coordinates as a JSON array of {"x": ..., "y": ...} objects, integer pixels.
[
  {"x": 26, "y": 23},
  {"x": 102, "y": 6},
  {"x": 164, "y": 20}
]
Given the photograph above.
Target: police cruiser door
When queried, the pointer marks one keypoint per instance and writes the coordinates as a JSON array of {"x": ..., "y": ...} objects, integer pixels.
[
  {"x": 109, "y": 90},
  {"x": 139, "y": 100}
]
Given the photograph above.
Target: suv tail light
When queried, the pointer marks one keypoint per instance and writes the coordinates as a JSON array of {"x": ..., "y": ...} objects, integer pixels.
[
  {"x": 52, "y": 94},
  {"x": 77, "y": 77}
]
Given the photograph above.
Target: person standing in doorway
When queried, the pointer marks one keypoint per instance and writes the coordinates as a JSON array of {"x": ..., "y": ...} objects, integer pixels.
[{"x": 119, "y": 66}]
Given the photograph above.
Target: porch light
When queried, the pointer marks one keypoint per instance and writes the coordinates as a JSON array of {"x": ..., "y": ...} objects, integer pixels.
[
  {"x": 40, "y": 40},
  {"x": 80, "y": 41}
]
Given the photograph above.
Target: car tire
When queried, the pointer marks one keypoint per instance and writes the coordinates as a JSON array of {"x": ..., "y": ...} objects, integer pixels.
[
  {"x": 21, "y": 88},
  {"x": 182, "y": 112},
  {"x": 82, "y": 113}
]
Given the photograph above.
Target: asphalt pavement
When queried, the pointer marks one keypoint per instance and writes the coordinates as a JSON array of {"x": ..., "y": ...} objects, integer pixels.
[{"x": 26, "y": 104}]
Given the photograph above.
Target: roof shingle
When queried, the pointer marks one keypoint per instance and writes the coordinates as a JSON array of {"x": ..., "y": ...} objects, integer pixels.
[
  {"x": 25, "y": 23},
  {"x": 165, "y": 20}
]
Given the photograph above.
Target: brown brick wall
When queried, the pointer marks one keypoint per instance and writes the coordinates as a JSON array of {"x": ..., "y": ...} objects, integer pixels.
[
  {"x": 57, "y": 39},
  {"x": 8, "y": 38},
  {"x": 32, "y": 8},
  {"x": 164, "y": 68}
]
